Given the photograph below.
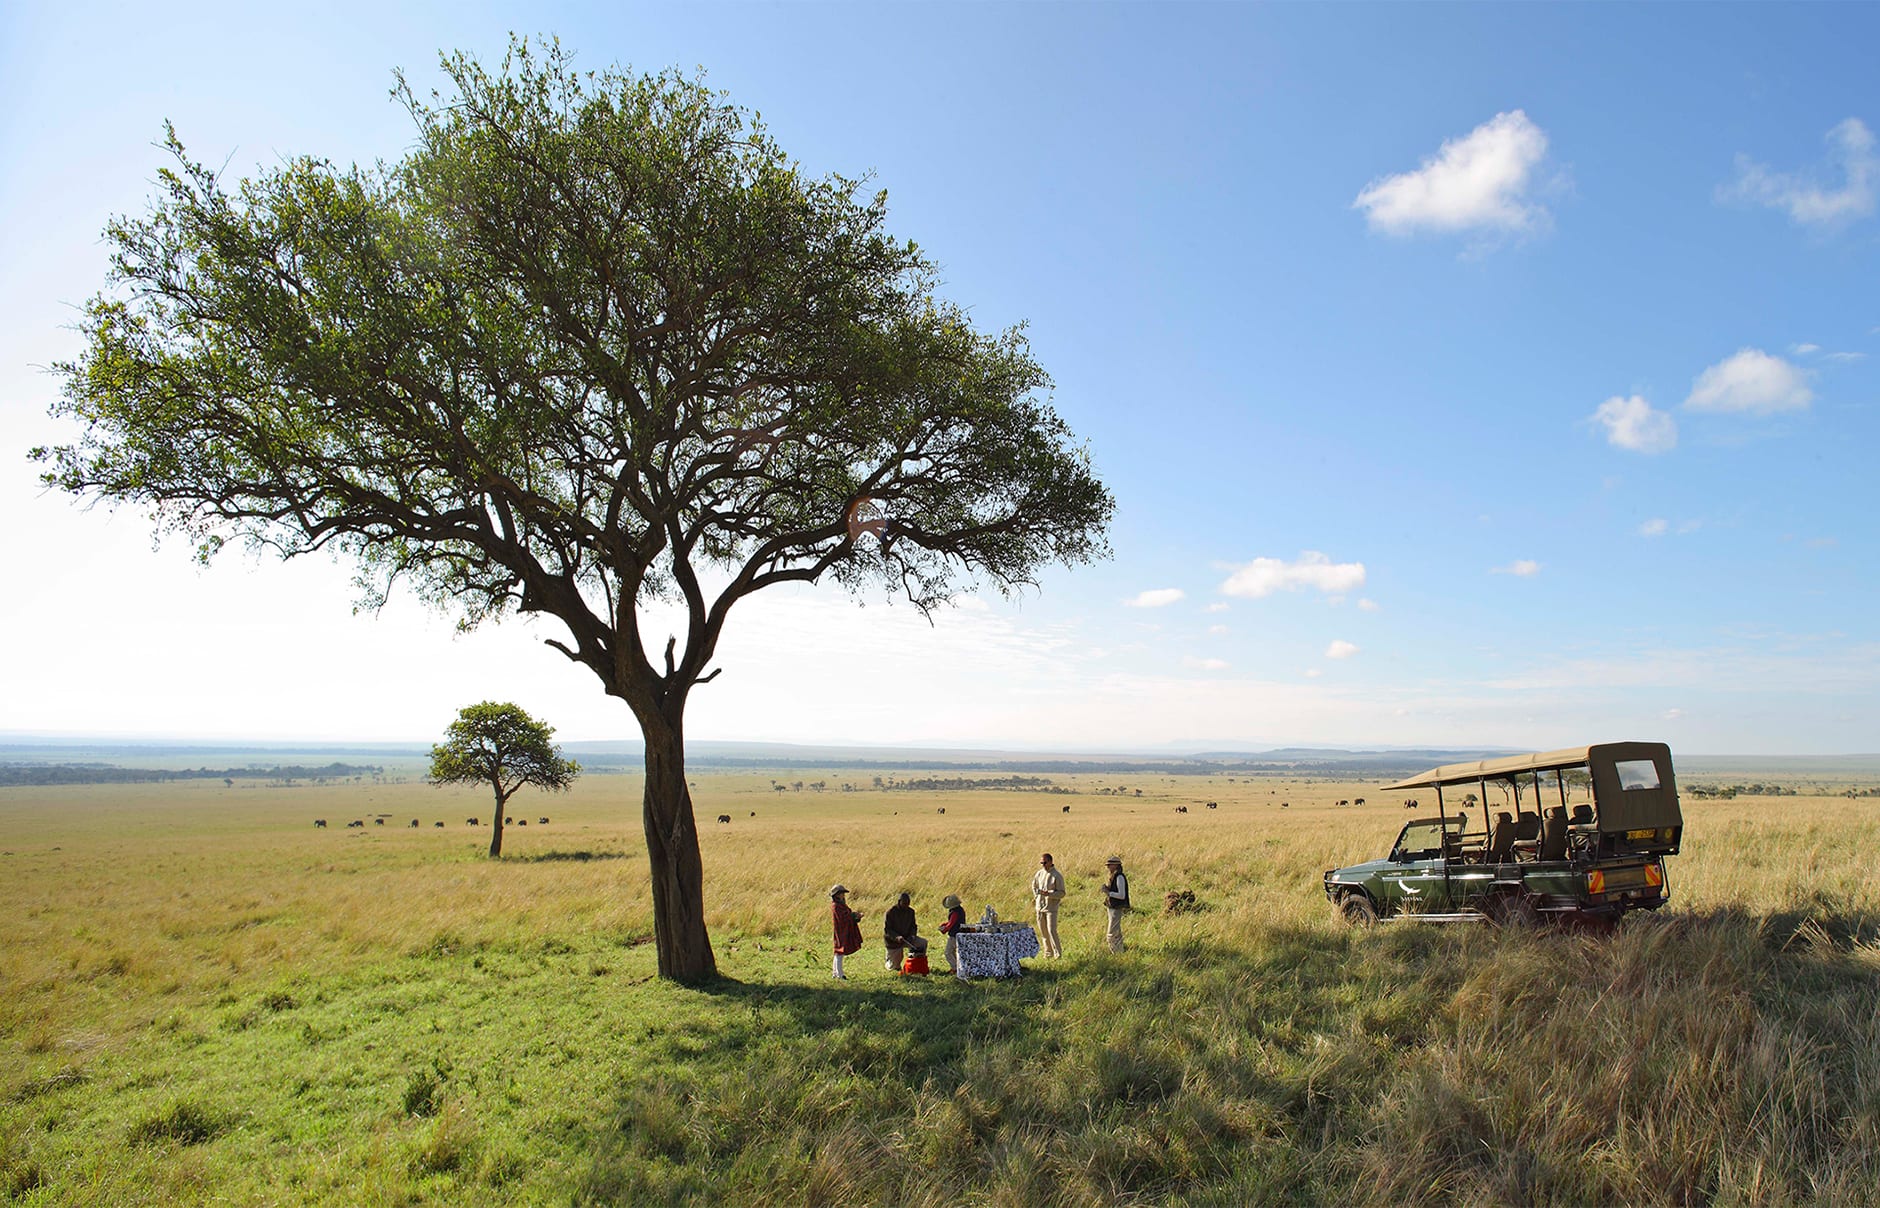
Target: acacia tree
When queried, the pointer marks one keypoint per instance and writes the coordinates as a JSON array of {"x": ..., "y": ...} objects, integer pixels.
[
  {"x": 595, "y": 344},
  {"x": 502, "y": 746}
]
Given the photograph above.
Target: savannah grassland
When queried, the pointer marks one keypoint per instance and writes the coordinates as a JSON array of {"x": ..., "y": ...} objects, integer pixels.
[{"x": 204, "y": 999}]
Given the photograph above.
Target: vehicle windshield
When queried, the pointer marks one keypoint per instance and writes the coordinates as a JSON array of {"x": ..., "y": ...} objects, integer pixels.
[{"x": 1423, "y": 838}]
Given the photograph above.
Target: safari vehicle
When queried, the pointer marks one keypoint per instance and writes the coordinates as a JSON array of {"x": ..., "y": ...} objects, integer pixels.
[{"x": 1541, "y": 854}]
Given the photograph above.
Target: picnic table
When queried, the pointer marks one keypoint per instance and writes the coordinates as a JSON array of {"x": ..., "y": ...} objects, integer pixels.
[{"x": 994, "y": 951}]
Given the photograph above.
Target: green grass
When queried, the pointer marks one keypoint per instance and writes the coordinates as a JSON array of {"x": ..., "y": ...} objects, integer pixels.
[{"x": 202, "y": 998}]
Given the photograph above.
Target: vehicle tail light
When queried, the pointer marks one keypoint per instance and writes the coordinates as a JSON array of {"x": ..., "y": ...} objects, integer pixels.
[{"x": 1596, "y": 881}]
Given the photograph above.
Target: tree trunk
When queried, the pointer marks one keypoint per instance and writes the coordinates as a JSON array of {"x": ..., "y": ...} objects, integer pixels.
[
  {"x": 496, "y": 825},
  {"x": 685, "y": 951}
]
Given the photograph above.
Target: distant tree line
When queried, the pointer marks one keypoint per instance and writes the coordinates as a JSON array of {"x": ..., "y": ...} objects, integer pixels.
[
  {"x": 1727, "y": 791},
  {"x": 15, "y": 775}
]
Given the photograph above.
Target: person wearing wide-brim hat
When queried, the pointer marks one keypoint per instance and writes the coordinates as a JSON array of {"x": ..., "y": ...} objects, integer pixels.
[
  {"x": 848, "y": 927},
  {"x": 1116, "y": 899},
  {"x": 956, "y": 919}
]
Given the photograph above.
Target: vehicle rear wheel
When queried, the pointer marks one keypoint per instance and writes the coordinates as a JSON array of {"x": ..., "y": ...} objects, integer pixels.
[
  {"x": 1513, "y": 910},
  {"x": 1356, "y": 909}
]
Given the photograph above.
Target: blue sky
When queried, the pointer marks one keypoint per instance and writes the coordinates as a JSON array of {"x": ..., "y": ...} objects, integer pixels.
[{"x": 1471, "y": 376}]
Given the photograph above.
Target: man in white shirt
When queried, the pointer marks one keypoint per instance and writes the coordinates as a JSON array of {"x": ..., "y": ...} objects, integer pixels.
[
  {"x": 1047, "y": 890},
  {"x": 1116, "y": 897}
]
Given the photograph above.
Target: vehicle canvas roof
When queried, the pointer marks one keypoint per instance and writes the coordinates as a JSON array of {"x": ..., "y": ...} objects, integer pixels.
[{"x": 1544, "y": 761}]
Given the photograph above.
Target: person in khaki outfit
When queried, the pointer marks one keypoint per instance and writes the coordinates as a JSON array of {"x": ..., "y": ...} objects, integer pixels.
[{"x": 1047, "y": 890}]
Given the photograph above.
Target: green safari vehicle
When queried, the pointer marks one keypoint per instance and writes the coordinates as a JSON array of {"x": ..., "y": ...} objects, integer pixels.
[{"x": 1581, "y": 834}]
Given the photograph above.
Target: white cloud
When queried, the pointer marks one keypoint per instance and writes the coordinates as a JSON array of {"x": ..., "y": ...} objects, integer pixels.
[
  {"x": 1216, "y": 607},
  {"x": 1314, "y": 672},
  {"x": 1802, "y": 350},
  {"x": 1689, "y": 526},
  {"x": 1673, "y": 714},
  {"x": 1219, "y": 630},
  {"x": 1159, "y": 597},
  {"x": 1477, "y": 182},
  {"x": 1340, "y": 649},
  {"x": 1632, "y": 423},
  {"x": 1850, "y": 148},
  {"x": 1846, "y": 358},
  {"x": 1751, "y": 381},
  {"x": 1205, "y": 664},
  {"x": 1657, "y": 526},
  {"x": 1520, "y": 567},
  {"x": 1264, "y": 576},
  {"x": 1367, "y": 605}
]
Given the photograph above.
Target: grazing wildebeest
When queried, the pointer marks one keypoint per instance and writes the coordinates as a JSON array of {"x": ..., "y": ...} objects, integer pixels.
[
  {"x": 358, "y": 822},
  {"x": 439, "y": 825},
  {"x": 1181, "y": 809},
  {"x": 941, "y": 810},
  {"x": 724, "y": 817},
  {"x": 522, "y": 822},
  {"x": 505, "y": 820},
  {"x": 469, "y": 821},
  {"x": 753, "y": 813},
  {"x": 1214, "y": 805},
  {"x": 1285, "y": 805},
  {"x": 414, "y": 822},
  {"x": 1342, "y": 801},
  {"x": 1357, "y": 801},
  {"x": 378, "y": 822},
  {"x": 1067, "y": 809},
  {"x": 1410, "y": 803},
  {"x": 320, "y": 822},
  {"x": 541, "y": 822}
]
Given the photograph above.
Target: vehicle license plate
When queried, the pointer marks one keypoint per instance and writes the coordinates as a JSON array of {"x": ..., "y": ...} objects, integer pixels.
[{"x": 1647, "y": 833}]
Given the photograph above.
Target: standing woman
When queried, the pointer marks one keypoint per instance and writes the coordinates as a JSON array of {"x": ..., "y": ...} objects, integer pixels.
[
  {"x": 1116, "y": 897},
  {"x": 848, "y": 927}
]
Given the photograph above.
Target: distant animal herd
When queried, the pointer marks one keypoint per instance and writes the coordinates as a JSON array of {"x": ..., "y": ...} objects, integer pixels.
[{"x": 360, "y": 823}]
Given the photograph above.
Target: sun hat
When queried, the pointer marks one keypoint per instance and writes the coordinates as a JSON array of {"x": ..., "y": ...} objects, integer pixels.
[
  {"x": 1114, "y": 860},
  {"x": 952, "y": 899},
  {"x": 836, "y": 889}
]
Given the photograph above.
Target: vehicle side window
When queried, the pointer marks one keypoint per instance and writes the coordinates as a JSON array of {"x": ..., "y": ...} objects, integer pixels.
[{"x": 1637, "y": 773}]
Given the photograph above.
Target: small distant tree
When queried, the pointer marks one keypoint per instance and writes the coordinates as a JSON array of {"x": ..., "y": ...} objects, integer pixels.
[{"x": 502, "y": 746}]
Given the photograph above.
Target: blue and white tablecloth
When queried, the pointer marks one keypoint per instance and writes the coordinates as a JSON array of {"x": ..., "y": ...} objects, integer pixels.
[{"x": 994, "y": 953}]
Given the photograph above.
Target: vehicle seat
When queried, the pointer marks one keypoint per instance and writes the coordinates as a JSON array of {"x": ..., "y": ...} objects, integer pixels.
[
  {"x": 1501, "y": 840},
  {"x": 1583, "y": 814},
  {"x": 1527, "y": 827},
  {"x": 1554, "y": 833}
]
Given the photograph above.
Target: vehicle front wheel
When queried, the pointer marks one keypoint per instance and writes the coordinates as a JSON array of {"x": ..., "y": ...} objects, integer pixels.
[{"x": 1356, "y": 909}]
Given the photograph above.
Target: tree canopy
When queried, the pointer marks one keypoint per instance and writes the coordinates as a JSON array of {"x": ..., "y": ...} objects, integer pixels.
[
  {"x": 596, "y": 340},
  {"x": 502, "y": 746}
]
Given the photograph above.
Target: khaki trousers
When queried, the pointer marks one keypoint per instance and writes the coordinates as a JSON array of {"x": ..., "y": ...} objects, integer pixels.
[
  {"x": 953, "y": 952},
  {"x": 1047, "y": 930},
  {"x": 1115, "y": 936}
]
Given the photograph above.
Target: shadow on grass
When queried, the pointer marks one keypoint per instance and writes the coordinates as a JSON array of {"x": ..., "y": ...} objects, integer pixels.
[
  {"x": 1099, "y": 1080},
  {"x": 553, "y": 857}
]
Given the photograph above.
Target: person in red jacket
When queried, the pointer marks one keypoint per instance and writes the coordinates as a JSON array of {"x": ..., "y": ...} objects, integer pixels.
[
  {"x": 956, "y": 919},
  {"x": 848, "y": 927}
]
